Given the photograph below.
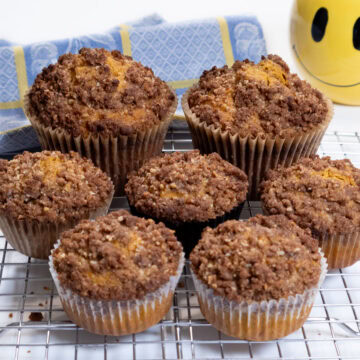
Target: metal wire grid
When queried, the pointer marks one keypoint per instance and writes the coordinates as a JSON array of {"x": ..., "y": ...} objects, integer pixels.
[{"x": 331, "y": 332}]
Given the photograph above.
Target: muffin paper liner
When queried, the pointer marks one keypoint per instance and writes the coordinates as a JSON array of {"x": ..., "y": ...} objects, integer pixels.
[
  {"x": 340, "y": 250},
  {"x": 117, "y": 317},
  {"x": 189, "y": 233},
  {"x": 253, "y": 155},
  {"x": 36, "y": 239},
  {"x": 117, "y": 156},
  {"x": 259, "y": 321}
]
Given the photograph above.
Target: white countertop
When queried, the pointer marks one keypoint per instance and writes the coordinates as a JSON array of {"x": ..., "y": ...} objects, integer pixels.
[{"x": 23, "y": 22}]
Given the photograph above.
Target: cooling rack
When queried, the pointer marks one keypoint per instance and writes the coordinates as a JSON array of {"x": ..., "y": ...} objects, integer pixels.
[{"x": 33, "y": 324}]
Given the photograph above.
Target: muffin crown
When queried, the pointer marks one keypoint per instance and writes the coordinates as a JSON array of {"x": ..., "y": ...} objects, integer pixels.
[
  {"x": 100, "y": 92},
  {"x": 317, "y": 193},
  {"x": 263, "y": 258},
  {"x": 187, "y": 187},
  {"x": 49, "y": 186},
  {"x": 117, "y": 257},
  {"x": 262, "y": 99}
]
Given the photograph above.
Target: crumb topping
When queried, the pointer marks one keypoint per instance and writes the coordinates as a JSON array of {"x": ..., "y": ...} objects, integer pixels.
[
  {"x": 186, "y": 186},
  {"x": 51, "y": 186},
  {"x": 98, "y": 91},
  {"x": 262, "y": 258},
  {"x": 117, "y": 257},
  {"x": 317, "y": 193},
  {"x": 257, "y": 99}
]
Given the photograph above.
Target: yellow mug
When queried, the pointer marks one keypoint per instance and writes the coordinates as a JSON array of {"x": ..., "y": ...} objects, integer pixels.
[{"x": 325, "y": 41}]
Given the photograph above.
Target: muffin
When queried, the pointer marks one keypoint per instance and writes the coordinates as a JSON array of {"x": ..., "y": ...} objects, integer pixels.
[
  {"x": 257, "y": 279},
  {"x": 103, "y": 105},
  {"x": 256, "y": 116},
  {"x": 322, "y": 195},
  {"x": 117, "y": 275},
  {"x": 42, "y": 194},
  {"x": 187, "y": 191}
]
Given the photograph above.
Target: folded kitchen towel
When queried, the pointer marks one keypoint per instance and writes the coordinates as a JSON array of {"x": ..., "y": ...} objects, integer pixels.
[{"x": 178, "y": 53}]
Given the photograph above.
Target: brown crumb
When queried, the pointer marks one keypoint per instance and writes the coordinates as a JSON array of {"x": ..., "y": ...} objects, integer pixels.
[
  {"x": 186, "y": 186},
  {"x": 29, "y": 351},
  {"x": 36, "y": 316},
  {"x": 41, "y": 304},
  {"x": 263, "y": 258},
  {"x": 49, "y": 186},
  {"x": 101, "y": 92},
  {"x": 11, "y": 315},
  {"x": 46, "y": 288},
  {"x": 317, "y": 193},
  {"x": 117, "y": 257},
  {"x": 257, "y": 99}
]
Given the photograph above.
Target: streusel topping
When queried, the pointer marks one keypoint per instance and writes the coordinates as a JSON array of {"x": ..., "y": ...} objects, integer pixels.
[
  {"x": 317, "y": 193},
  {"x": 262, "y": 99},
  {"x": 187, "y": 187},
  {"x": 117, "y": 257},
  {"x": 100, "y": 92},
  {"x": 52, "y": 186},
  {"x": 262, "y": 258}
]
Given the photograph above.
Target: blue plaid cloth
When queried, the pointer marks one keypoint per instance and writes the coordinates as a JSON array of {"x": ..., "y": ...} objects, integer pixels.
[{"x": 178, "y": 53}]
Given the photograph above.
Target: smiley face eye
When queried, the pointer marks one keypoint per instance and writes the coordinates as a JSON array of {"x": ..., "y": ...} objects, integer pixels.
[
  {"x": 356, "y": 34},
  {"x": 319, "y": 24}
]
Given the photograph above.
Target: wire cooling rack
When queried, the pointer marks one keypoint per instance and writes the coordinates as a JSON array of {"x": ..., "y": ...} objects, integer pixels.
[{"x": 27, "y": 292}]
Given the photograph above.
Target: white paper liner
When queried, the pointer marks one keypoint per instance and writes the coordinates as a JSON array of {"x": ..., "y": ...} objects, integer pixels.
[
  {"x": 340, "y": 250},
  {"x": 259, "y": 321},
  {"x": 36, "y": 239},
  {"x": 117, "y": 156},
  {"x": 117, "y": 317},
  {"x": 253, "y": 156}
]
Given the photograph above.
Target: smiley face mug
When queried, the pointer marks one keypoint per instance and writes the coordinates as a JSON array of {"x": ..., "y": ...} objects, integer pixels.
[{"x": 325, "y": 41}]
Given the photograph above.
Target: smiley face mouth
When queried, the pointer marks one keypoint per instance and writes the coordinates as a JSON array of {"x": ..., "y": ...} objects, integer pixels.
[{"x": 318, "y": 79}]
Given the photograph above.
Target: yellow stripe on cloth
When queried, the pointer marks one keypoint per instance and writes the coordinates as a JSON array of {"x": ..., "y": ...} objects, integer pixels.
[
  {"x": 21, "y": 71},
  {"x": 125, "y": 39},
  {"x": 10, "y": 105},
  {"x": 181, "y": 84},
  {"x": 225, "y": 36}
]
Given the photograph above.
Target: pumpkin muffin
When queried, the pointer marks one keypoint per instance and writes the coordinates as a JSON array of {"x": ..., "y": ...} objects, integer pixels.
[
  {"x": 257, "y": 279},
  {"x": 322, "y": 195},
  {"x": 104, "y": 105},
  {"x": 256, "y": 116},
  {"x": 117, "y": 275},
  {"x": 45, "y": 193},
  {"x": 188, "y": 191}
]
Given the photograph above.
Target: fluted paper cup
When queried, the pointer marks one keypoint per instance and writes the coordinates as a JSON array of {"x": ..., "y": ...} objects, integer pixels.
[
  {"x": 340, "y": 250},
  {"x": 117, "y": 317},
  {"x": 36, "y": 239},
  {"x": 255, "y": 156},
  {"x": 117, "y": 156},
  {"x": 258, "y": 321}
]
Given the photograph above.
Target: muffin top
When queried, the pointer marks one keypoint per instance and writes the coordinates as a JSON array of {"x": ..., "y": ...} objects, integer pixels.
[
  {"x": 186, "y": 186},
  {"x": 262, "y": 99},
  {"x": 263, "y": 258},
  {"x": 117, "y": 257},
  {"x": 99, "y": 92},
  {"x": 49, "y": 186},
  {"x": 317, "y": 193}
]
